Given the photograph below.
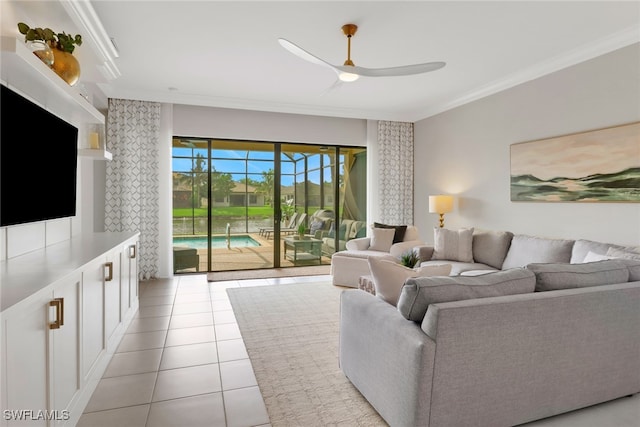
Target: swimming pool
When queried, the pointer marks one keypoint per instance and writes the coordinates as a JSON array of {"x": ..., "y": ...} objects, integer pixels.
[{"x": 217, "y": 242}]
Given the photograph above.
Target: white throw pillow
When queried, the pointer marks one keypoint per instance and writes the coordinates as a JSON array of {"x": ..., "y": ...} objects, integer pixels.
[
  {"x": 620, "y": 253},
  {"x": 453, "y": 245},
  {"x": 594, "y": 257},
  {"x": 382, "y": 239},
  {"x": 389, "y": 276}
]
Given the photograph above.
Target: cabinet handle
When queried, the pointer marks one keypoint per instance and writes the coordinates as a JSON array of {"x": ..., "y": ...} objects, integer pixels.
[
  {"x": 58, "y": 303},
  {"x": 109, "y": 266},
  {"x": 132, "y": 251}
]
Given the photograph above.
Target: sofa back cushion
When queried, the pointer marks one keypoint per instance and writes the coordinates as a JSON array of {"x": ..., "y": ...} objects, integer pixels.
[
  {"x": 411, "y": 233},
  {"x": 525, "y": 250},
  {"x": 555, "y": 276},
  {"x": 491, "y": 247},
  {"x": 417, "y": 293},
  {"x": 353, "y": 230},
  {"x": 389, "y": 276}
]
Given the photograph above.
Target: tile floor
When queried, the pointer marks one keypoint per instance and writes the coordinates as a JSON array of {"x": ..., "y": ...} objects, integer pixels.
[{"x": 182, "y": 362}]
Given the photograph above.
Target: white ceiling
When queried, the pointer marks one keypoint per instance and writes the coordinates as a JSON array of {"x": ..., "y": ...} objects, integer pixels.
[{"x": 226, "y": 53}]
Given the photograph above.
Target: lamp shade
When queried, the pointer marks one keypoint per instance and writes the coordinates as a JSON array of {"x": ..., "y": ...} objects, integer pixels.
[{"x": 440, "y": 204}]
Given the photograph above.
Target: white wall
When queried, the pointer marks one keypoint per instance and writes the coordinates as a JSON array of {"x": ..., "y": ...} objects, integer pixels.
[
  {"x": 465, "y": 151},
  {"x": 262, "y": 126}
]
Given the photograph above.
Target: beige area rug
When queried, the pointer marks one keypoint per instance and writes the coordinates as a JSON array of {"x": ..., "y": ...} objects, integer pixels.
[
  {"x": 291, "y": 334},
  {"x": 269, "y": 273}
]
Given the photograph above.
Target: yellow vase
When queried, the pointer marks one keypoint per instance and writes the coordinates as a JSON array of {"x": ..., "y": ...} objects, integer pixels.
[{"x": 66, "y": 66}]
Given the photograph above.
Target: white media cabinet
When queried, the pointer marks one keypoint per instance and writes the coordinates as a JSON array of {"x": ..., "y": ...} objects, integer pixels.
[{"x": 64, "y": 310}]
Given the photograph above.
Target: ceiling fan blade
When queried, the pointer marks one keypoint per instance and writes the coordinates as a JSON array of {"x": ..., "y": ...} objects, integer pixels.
[
  {"x": 405, "y": 70},
  {"x": 333, "y": 87},
  {"x": 300, "y": 52}
]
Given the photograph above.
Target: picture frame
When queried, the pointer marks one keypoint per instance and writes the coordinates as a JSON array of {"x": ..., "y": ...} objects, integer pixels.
[{"x": 600, "y": 165}]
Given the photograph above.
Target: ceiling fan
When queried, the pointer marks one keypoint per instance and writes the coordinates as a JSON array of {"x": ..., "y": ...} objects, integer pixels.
[{"x": 349, "y": 72}]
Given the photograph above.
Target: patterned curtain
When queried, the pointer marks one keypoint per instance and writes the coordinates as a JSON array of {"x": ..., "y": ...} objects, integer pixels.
[
  {"x": 132, "y": 186},
  {"x": 395, "y": 172}
]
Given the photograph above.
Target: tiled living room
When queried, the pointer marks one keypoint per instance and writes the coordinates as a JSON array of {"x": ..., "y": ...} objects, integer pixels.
[{"x": 480, "y": 101}]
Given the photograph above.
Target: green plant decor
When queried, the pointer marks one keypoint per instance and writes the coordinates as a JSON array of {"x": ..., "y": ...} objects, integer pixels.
[
  {"x": 409, "y": 259},
  {"x": 63, "y": 41},
  {"x": 301, "y": 230}
]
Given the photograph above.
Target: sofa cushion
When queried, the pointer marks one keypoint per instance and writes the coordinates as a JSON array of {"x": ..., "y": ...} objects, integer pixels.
[
  {"x": 453, "y": 245},
  {"x": 399, "y": 230},
  {"x": 316, "y": 224},
  {"x": 621, "y": 253},
  {"x": 342, "y": 230},
  {"x": 582, "y": 247},
  {"x": 381, "y": 239},
  {"x": 634, "y": 268},
  {"x": 555, "y": 276},
  {"x": 411, "y": 234},
  {"x": 491, "y": 247},
  {"x": 417, "y": 293},
  {"x": 629, "y": 258},
  {"x": 389, "y": 276},
  {"x": 530, "y": 249},
  {"x": 458, "y": 268},
  {"x": 593, "y": 257}
]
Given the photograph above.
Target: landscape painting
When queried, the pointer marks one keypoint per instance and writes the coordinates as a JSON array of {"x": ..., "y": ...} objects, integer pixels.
[{"x": 597, "y": 166}]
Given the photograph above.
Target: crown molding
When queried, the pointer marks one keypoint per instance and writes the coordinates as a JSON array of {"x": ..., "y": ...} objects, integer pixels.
[
  {"x": 583, "y": 53},
  {"x": 84, "y": 16}
]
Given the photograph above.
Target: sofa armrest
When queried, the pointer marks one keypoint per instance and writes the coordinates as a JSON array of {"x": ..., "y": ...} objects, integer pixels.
[
  {"x": 358, "y": 244},
  {"x": 425, "y": 252},
  {"x": 388, "y": 358},
  {"x": 397, "y": 249}
]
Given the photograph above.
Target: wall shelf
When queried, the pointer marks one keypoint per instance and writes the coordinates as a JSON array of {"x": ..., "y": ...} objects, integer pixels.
[
  {"x": 23, "y": 71},
  {"x": 95, "y": 153}
]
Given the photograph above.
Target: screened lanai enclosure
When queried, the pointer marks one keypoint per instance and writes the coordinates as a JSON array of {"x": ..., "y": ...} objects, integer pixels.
[{"x": 240, "y": 205}]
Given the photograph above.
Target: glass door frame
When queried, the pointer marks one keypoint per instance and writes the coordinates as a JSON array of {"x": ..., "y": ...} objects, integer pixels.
[{"x": 335, "y": 166}]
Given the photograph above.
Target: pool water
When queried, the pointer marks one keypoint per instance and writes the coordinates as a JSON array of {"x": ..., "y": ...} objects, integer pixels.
[{"x": 217, "y": 242}]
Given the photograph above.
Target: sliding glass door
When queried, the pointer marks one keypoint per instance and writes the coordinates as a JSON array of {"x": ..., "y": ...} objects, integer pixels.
[{"x": 237, "y": 208}]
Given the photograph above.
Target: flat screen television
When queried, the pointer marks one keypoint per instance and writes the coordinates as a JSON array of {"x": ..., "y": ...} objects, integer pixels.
[{"x": 38, "y": 162}]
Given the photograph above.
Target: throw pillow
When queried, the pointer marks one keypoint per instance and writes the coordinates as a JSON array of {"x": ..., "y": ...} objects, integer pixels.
[
  {"x": 453, "y": 245},
  {"x": 341, "y": 231},
  {"x": 582, "y": 247},
  {"x": 381, "y": 239},
  {"x": 400, "y": 230},
  {"x": 620, "y": 253},
  {"x": 594, "y": 257},
  {"x": 530, "y": 249},
  {"x": 418, "y": 292},
  {"x": 362, "y": 232},
  {"x": 316, "y": 224},
  {"x": 389, "y": 276},
  {"x": 554, "y": 276}
]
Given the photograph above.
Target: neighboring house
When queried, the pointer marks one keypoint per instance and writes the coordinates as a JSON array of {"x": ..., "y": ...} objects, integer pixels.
[{"x": 241, "y": 194}]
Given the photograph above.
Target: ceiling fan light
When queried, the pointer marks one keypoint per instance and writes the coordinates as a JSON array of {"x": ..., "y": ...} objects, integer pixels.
[{"x": 348, "y": 77}]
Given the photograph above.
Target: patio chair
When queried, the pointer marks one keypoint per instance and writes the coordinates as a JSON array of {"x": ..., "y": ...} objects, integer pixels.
[
  {"x": 294, "y": 228},
  {"x": 266, "y": 231}
]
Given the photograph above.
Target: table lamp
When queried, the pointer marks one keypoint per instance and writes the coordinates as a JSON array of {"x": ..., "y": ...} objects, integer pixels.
[{"x": 440, "y": 204}]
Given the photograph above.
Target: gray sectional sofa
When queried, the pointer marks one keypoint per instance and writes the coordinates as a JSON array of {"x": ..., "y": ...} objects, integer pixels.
[{"x": 540, "y": 334}]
